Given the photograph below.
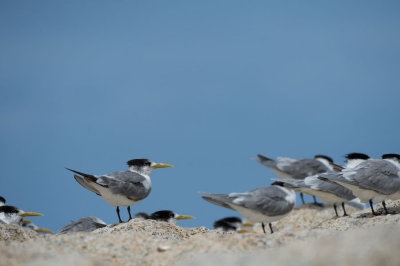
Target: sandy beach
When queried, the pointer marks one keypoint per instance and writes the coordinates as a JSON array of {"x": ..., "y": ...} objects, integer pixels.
[{"x": 310, "y": 235}]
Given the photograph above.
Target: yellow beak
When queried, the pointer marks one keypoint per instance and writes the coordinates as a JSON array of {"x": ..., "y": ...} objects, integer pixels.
[
  {"x": 183, "y": 217},
  {"x": 162, "y": 165},
  {"x": 246, "y": 231},
  {"x": 248, "y": 224},
  {"x": 30, "y": 214},
  {"x": 25, "y": 222},
  {"x": 44, "y": 230}
]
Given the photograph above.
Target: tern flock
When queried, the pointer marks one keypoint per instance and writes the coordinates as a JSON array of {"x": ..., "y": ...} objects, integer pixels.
[{"x": 361, "y": 180}]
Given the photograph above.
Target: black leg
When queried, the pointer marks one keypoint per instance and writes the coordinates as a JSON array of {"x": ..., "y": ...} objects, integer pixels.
[
  {"x": 302, "y": 198},
  {"x": 263, "y": 227},
  {"x": 270, "y": 227},
  {"x": 344, "y": 210},
  {"x": 129, "y": 211},
  {"x": 384, "y": 207},
  {"x": 317, "y": 203},
  {"x": 119, "y": 217},
  {"x": 334, "y": 206},
  {"x": 372, "y": 208}
]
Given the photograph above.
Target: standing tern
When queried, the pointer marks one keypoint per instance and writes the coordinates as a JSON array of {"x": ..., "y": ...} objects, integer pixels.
[
  {"x": 372, "y": 181},
  {"x": 85, "y": 224},
  {"x": 328, "y": 192},
  {"x": 287, "y": 168},
  {"x": 122, "y": 188},
  {"x": 261, "y": 205},
  {"x": 14, "y": 215}
]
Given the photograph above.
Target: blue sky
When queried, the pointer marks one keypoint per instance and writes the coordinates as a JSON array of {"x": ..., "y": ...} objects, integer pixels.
[{"x": 203, "y": 85}]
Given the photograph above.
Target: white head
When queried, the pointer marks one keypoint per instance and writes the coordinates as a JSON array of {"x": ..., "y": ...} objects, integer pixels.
[
  {"x": 145, "y": 166},
  {"x": 326, "y": 160}
]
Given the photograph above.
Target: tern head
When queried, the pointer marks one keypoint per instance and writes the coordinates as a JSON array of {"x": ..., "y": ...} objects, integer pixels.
[
  {"x": 168, "y": 216},
  {"x": 29, "y": 225},
  {"x": 145, "y": 166},
  {"x": 392, "y": 156},
  {"x": 2, "y": 201},
  {"x": 278, "y": 183},
  {"x": 355, "y": 158},
  {"x": 14, "y": 215},
  {"x": 228, "y": 224}
]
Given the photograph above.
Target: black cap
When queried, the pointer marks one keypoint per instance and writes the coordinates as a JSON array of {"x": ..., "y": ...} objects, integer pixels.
[
  {"x": 391, "y": 155},
  {"x": 356, "y": 155},
  {"x": 323, "y": 157},
  {"x": 163, "y": 215},
  {"x": 139, "y": 162}
]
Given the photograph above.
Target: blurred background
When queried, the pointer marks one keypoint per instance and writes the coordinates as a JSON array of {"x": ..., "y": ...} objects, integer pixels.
[{"x": 202, "y": 85}]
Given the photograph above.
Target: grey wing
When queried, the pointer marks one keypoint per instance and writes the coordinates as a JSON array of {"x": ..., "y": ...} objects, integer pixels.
[
  {"x": 268, "y": 162},
  {"x": 86, "y": 184},
  {"x": 296, "y": 185},
  {"x": 300, "y": 169},
  {"x": 218, "y": 199},
  {"x": 86, "y": 224},
  {"x": 380, "y": 176},
  {"x": 270, "y": 201},
  {"x": 127, "y": 183},
  {"x": 317, "y": 184}
]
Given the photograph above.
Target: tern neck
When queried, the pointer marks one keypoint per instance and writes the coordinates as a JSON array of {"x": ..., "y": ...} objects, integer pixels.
[
  {"x": 351, "y": 163},
  {"x": 325, "y": 162},
  {"x": 394, "y": 161},
  {"x": 146, "y": 171}
]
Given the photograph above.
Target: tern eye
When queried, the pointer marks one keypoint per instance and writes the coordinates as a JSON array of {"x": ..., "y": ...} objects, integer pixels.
[{"x": 148, "y": 163}]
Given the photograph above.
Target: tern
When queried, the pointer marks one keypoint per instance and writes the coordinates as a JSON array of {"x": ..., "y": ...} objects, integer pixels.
[
  {"x": 163, "y": 216},
  {"x": 85, "y": 224},
  {"x": 374, "y": 180},
  {"x": 261, "y": 205},
  {"x": 287, "y": 168},
  {"x": 122, "y": 188},
  {"x": 232, "y": 224},
  {"x": 328, "y": 192},
  {"x": 29, "y": 225},
  {"x": 14, "y": 215}
]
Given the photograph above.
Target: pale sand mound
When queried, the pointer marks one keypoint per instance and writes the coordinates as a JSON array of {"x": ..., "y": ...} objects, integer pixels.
[{"x": 308, "y": 236}]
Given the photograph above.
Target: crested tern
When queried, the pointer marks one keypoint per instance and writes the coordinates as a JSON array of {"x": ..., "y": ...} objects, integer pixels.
[
  {"x": 231, "y": 224},
  {"x": 261, "y": 205},
  {"x": 29, "y": 225},
  {"x": 122, "y": 188},
  {"x": 14, "y": 215},
  {"x": 85, "y": 224},
  {"x": 163, "y": 216},
  {"x": 374, "y": 180},
  {"x": 328, "y": 192},
  {"x": 288, "y": 168}
]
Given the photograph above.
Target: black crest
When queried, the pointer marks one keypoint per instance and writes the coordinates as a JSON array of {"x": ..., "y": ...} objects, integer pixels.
[
  {"x": 8, "y": 209},
  {"x": 356, "y": 155},
  {"x": 278, "y": 183},
  {"x": 329, "y": 159},
  {"x": 139, "y": 162},
  {"x": 228, "y": 223},
  {"x": 2, "y": 199},
  {"x": 163, "y": 215},
  {"x": 391, "y": 156}
]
